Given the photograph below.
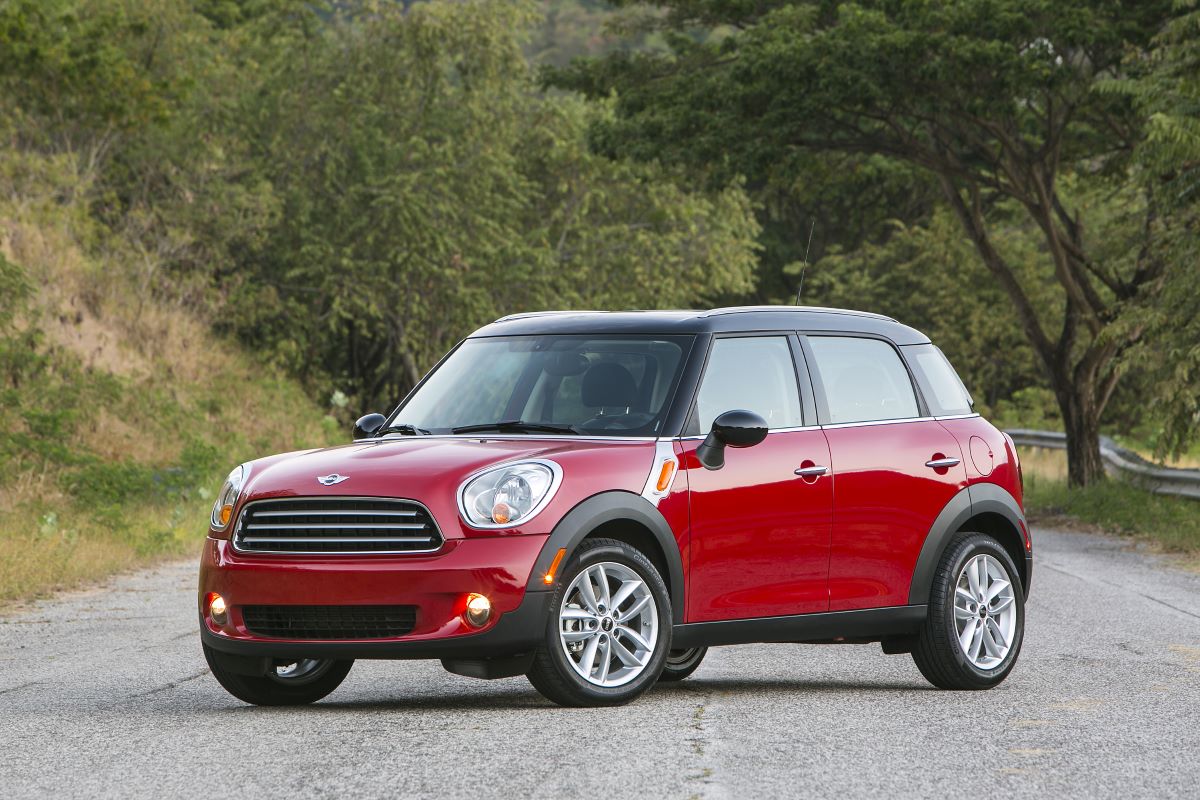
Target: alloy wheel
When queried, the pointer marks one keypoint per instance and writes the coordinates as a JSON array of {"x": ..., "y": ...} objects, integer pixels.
[
  {"x": 608, "y": 624},
  {"x": 985, "y": 611}
]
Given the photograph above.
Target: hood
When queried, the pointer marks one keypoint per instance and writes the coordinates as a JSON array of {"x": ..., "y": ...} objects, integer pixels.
[{"x": 430, "y": 469}]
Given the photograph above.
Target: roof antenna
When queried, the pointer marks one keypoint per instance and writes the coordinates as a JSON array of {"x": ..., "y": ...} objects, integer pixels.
[{"x": 805, "y": 266}]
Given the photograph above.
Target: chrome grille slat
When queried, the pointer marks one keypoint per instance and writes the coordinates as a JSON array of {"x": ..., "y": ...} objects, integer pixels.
[
  {"x": 325, "y": 539},
  {"x": 336, "y": 513},
  {"x": 355, "y": 526},
  {"x": 336, "y": 525}
]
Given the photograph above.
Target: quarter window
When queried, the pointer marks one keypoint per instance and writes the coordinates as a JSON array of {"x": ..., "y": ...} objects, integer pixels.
[
  {"x": 943, "y": 389},
  {"x": 864, "y": 379},
  {"x": 751, "y": 373}
]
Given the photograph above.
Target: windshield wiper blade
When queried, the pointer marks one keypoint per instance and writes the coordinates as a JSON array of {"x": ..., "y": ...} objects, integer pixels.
[
  {"x": 406, "y": 429},
  {"x": 516, "y": 425}
]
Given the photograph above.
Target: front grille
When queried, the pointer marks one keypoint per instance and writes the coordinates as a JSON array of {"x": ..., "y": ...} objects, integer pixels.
[
  {"x": 336, "y": 525},
  {"x": 330, "y": 622}
]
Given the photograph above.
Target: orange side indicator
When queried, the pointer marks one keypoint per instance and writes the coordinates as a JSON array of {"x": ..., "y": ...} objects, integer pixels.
[
  {"x": 548, "y": 578},
  {"x": 665, "y": 475}
]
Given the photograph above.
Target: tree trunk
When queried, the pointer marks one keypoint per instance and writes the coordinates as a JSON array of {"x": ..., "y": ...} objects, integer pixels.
[{"x": 1081, "y": 421}]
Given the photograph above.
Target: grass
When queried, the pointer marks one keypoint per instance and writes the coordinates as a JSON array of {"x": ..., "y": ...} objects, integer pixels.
[
  {"x": 120, "y": 412},
  {"x": 1170, "y": 523}
]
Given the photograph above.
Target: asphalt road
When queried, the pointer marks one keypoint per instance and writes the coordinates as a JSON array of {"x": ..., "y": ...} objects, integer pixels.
[{"x": 105, "y": 693}]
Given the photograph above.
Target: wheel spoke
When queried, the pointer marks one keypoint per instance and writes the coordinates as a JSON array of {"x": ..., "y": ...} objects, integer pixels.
[
  {"x": 976, "y": 643},
  {"x": 634, "y": 609},
  {"x": 997, "y": 634},
  {"x": 625, "y": 654},
  {"x": 576, "y": 613},
  {"x": 605, "y": 659},
  {"x": 577, "y": 636},
  {"x": 968, "y": 633},
  {"x": 626, "y": 589},
  {"x": 989, "y": 643},
  {"x": 588, "y": 660},
  {"x": 963, "y": 593},
  {"x": 636, "y": 637},
  {"x": 963, "y": 613},
  {"x": 973, "y": 578},
  {"x": 602, "y": 582},
  {"x": 587, "y": 593},
  {"x": 1000, "y": 604},
  {"x": 996, "y": 588}
]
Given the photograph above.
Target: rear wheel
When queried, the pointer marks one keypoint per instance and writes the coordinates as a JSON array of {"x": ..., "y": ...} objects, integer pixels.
[
  {"x": 609, "y": 628},
  {"x": 682, "y": 663},
  {"x": 976, "y": 622},
  {"x": 288, "y": 683}
]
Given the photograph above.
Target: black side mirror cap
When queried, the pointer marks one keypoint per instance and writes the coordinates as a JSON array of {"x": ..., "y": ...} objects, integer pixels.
[
  {"x": 736, "y": 428},
  {"x": 368, "y": 425}
]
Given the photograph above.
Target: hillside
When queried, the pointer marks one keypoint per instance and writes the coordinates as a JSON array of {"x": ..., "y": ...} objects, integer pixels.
[{"x": 120, "y": 412}]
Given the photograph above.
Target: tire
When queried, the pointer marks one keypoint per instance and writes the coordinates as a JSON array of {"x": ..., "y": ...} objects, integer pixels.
[
  {"x": 315, "y": 680},
  {"x": 943, "y": 652},
  {"x": 576, "y": 625},
  {"x": 682, "y": 663}
]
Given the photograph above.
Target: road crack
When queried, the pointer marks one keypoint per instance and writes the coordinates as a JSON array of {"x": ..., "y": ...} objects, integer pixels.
[{"x": 173, "y": 684}]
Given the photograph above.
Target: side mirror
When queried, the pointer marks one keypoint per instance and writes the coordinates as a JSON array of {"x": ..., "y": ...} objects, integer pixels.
[
  {"x": 734, "y": 429},
  {"x": 367, "y": 425}
]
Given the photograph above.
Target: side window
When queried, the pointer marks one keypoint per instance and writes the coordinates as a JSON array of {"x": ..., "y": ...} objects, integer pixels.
[
  {"x": 753, "y": 373},
  {"x": 864, "y": 379},
  {"x": 943, "y": 389}
]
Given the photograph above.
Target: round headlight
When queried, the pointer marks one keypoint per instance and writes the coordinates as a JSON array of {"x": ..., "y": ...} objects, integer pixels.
[
  {"x": 222, "y": 512},
  {"x": 508, "y": 495}
]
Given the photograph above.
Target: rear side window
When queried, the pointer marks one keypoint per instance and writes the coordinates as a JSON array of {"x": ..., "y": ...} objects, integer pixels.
[
  {"x": 864, "y": 379},
  {"x": 943, "y": 389},
  {"x": 751, "y": 373}
]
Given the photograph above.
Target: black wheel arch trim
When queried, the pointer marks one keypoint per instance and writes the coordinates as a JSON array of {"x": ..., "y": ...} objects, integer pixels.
[
  {"x": 979, "y": 498},
  {"x": 605, "y": 507}
]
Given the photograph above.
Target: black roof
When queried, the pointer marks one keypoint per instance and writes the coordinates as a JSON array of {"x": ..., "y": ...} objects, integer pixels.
[{"x": 718, "y": 320}]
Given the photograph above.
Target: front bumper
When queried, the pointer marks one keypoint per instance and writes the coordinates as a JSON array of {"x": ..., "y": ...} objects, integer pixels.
[{"x": 437, "y": 585}]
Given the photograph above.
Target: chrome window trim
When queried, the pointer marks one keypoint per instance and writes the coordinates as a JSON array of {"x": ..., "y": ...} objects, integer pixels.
[
  {"x": 871, "y": 422},
  {"x": 233, "y": 536},
  {"x": 958, "y": 416},
  {"x": 556, "y": 477}
]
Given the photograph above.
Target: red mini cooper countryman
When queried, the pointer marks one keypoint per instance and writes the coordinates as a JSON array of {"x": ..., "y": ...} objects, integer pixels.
[{"x": 594, "y": 499}]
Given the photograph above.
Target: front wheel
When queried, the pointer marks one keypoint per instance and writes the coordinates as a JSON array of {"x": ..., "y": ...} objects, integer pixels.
[
  {"x": 609, "y": 628},
  {"x": 976, "y": 622},
  {"x": 288, "y": 683}
]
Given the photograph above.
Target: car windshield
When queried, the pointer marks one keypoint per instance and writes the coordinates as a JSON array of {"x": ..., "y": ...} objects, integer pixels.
[{"x": 593, "y": 385}]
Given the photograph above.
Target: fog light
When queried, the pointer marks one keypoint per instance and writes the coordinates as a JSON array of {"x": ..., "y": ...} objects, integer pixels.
[
  {"x": 479, "y": 610},
  {"x": 216, "y": 609}
]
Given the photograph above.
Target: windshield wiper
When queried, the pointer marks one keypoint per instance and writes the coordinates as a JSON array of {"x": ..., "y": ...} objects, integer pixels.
[
  {"x": 406, "y": 429},
  {"x": 516, "y": 425}
]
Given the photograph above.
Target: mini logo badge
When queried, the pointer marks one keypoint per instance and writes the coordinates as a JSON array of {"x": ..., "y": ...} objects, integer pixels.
[{"x": 332, "y": 479}]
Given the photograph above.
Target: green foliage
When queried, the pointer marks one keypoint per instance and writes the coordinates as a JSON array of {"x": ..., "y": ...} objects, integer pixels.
[
  {"x": 999, "y": 103},
  {"x": 424, "y": 188}
]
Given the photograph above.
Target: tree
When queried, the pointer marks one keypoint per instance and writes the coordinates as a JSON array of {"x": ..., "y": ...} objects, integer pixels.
[
  {"x": 423, "y": 187},
  {"x": 998, "y": 100}
]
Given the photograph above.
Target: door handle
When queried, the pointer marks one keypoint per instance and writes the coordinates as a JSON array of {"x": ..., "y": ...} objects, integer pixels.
[
  {"x": 942, "y": 463},
  {"x": 812, "y": 472}
]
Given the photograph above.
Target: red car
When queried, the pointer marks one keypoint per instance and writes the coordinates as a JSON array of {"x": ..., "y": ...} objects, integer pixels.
[{"x": 594, "y": 499}]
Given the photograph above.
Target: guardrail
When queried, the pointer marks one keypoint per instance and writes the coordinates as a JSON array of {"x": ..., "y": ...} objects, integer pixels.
[{"x": 1122, "y": 463}]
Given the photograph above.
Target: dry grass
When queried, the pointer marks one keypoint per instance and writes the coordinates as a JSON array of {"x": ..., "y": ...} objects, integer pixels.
[{"x": 151, "y": 384}]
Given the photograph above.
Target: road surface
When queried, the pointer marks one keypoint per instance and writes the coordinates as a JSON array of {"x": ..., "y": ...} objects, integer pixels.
[{"x": 104, "y": 693}]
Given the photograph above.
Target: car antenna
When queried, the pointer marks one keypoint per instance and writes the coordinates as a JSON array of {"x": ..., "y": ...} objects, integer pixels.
[{"x": 805, "y": 265}]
